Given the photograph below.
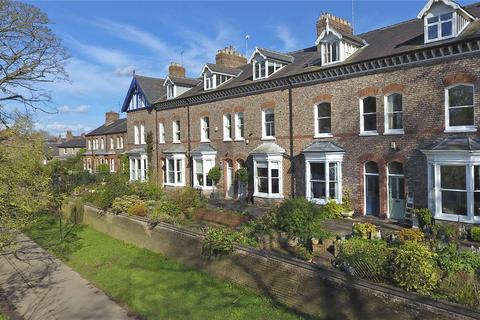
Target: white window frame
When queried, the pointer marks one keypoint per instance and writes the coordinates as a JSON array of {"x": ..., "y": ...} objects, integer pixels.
[
  {"x": 161, "y": 132},
  {"x": 136, "y": 134},
  {"x": 176, "y": 133},
  {"x": 238, "y": 126},
  {"x": 388, "y": 130},
  {"x": 175, "y": 157},
  {"x": 326, "y": 159},
  {"x": 316, "y": 118},
  {"x": 142, "y": 133},
  {"x": 269, "y": 159},
  {"x": 448, "y": 128},
  {"x": 102, "y": 143},
  {"x": 205, "y": 129},
  {"x": 209, "y": 81},
  {"x": 264, "y": 124},
  {"x": 438, "y": 24},
  {"x": 204, "y": 158},
  {"x": 327, "y": 56},
  {"x": 121, "y": 142},
  {"x": 227, "y": 127},
  {"x": 171, "y": 91},
  {"x": 137, "y": 174},
  {"x": 89, "y": 144},
  {"x": 112, "y": 165},
  {"x": 451, "y": 158},
  {"x": 112, "y": 145},
  {"x": 362, "y": 114}
]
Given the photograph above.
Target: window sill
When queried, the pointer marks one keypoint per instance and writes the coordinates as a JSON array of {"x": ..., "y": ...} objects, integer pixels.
[
  {"x": 460, "y": 130},
  {"x": 162, "y": 142},
  {"x": 323, "y": 135},
  {"x": 204, "y": 141},
  {"x": 176, "y": 142},
  {"x": 268, "y": 139},
  {"x": 204, "y": 188},
  {"x": 227, "y": 140},
  {"x": 368, "y": 134},
  {"x": 174, "y": 184},
  {"x": 239, "y": 139},
  {"x": 267, "y": 196},
  {"x": 393, "y": 132}
]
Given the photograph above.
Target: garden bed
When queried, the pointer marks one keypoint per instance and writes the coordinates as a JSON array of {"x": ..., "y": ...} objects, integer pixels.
[{"x": 227, "y": 218}]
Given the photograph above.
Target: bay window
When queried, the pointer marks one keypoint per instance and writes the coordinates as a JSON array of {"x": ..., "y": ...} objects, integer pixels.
[
  {"x": 175, "y": 170},
  {"x": 394, "y": 114},
  {"x": 368, "y": 116},
  {"x": 459, "y": 110},
  {"x": 268, "y": 176},
  {"x": 201, "y": 168},
  {"x": 453, "y": 189},
  {"x": 323, "y": 177},
  {"x": 323, "y": 119},
  {"x": 138, "y": 168}
]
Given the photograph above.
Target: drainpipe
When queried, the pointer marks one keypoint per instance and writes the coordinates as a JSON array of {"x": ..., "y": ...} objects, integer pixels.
[
  {"x": 189, "y": 145},
  {"x": 290, "y": 118},
  {"x": 155, "y": 142}
]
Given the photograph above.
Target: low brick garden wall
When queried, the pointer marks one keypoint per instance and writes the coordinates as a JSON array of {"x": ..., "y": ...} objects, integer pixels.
[{"x": 304, "y": 287}]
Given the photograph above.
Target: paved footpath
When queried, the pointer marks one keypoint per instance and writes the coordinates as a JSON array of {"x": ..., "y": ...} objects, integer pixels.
[{"x": 39, "y": 286}]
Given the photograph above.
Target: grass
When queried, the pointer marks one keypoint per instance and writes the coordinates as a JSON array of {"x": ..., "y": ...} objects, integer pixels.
[{"x": 148, "y": 283}]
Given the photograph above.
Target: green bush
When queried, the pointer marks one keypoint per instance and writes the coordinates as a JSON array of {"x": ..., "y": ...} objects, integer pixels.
[
  {"x": 123, "y": 204},
  {"x": 220, "y": 241},
  {"x": 138, "y": 209},
  {"x": 146, "y": 190},
  {"x": 115, "y": 186},
  {"x": 214, "y": 174},
  {"x": 165, "y": 211},
  {"x": 414, "y": 268},
  {"x": 405, "y": 235},
  {"x": 450, "y": 260},
  {"x": 475, "y": 234},
  {"x": 425, "y": 217},
  {"x": 462, "y": 287},
  {"x": 447, "y": 231},
  {"x": 364, "y": 230},
  {"x": 102, "y": 168},
  {"x": 242, "y": 175},
  {"x": 186, "y": 198},
  {"x": 369, "y": 259},
  {"x": 332, "y": 210}
]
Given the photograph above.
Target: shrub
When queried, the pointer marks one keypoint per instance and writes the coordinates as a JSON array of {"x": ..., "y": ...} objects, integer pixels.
[
  {"x": 186, "y": 198},
  {"x": 214, "y": 174},
  {"x": 139, "y": 209},
  {"x": 409, "y": 235},
  {"x": 452, "y": 260},
  {"x": 115, "y": 186},
  {"x": 220, "y": 241},
  {"x": 242, "y": 175},
  {"x": 332, "y": 210},
  {"x": 462, "y": 287},
  {"x": 102, "y": 168},
  {"x": 146, "y": 190},
  {"x": 364, "y": 230},
  {"x": 425, "y": 217},
  {"x": 123, "y": 204},
  {"x": 447, "y": 231},
  {"x": 414, "y": 268},
  {"x": 347, "y": 201},
  {"x": 475, "y": 234},
  {"x": 165, "y": 211},
  {"x": 368, "y": 259}
]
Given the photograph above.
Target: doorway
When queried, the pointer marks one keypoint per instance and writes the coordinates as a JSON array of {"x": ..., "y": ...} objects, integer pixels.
[
  {"x": 230, "y": 187},
  {"x": 372, "y": 189},
  {"x": 396, "y": 191}
]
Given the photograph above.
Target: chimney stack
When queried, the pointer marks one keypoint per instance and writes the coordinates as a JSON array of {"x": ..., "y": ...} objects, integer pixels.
[
  {"x": 229, "y": 57},
  {"x": 334, "y": 22},
  {"x": 68, "y": 135},
  {"x": 111, "y": 116},
  {"x": 176, "y": 70}
]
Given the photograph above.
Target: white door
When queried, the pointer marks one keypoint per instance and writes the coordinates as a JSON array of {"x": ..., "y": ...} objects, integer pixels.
[{"x": 230, "y": 188}]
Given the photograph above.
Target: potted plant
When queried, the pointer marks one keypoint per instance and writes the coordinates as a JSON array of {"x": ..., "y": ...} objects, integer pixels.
[
  {"x": 242, "y": 178},
  {"x": 214, "y": 174},
  {"x": 347, "y": 205}
]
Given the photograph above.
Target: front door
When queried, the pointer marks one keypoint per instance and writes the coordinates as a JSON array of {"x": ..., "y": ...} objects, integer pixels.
[
  {"x": 372, "y": 198},
  {"x": 396, "y": 197},
  {"x": 230, "y": 187}
]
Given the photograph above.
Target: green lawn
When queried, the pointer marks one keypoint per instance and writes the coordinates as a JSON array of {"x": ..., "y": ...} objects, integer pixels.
[{"x": 150, "y": 284}]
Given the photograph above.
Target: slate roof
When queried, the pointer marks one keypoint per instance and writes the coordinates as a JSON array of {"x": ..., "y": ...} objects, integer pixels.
[
  {"x": 176, "y": 148},
  {"x": 78, "y": 142},
  {"x": 118, "y": 126},
  {"x": 268, "y": 148},
  {"x": 384, "y": 42},
  {"x": 455, "y": 144},
  {"x": 204, "y": 148},
  {"x": 275, "y": 55},
  {"x": 152, "y": 88},
  {"x": 323, "y": 147},
  {"x": 223, "y": 69},
  {"x": 189, "y": 82}
]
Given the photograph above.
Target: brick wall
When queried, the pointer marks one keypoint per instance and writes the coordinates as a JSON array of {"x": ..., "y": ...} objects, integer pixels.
[{"x": 298, "y": 285}]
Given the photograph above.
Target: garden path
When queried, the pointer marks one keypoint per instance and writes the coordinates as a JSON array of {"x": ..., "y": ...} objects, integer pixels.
[{"x": 39, "y": 286}]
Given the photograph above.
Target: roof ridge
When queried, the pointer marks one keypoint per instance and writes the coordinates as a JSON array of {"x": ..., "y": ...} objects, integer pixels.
[{"x": 274, "y": 51}]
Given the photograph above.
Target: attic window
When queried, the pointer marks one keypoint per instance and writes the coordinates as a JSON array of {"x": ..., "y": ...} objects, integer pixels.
[
  {"x": 170, "y": 91},
  {"x": 213, "y": 80},
  {"x": 439, "y": 27},
  {"x": 331, "y": 52},
  {"x": 260, "y": 69}
]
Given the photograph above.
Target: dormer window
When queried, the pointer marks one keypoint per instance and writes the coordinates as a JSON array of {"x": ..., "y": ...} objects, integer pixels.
[
  {"x": 440, "y": 27},
  {"x": 260, "y": 69},
  {"x": 266, "y": 62},
  {"x": 443, "y": 19},
  {"x": 208, "y": 84},
  {"x": 215, "y": 75},
  {"x": 331, "y": 51},
  {"x": 170, "y": 91}
]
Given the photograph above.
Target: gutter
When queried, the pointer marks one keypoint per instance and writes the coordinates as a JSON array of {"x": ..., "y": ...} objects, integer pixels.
[
  {"x": 189, "y": 146},
  {"x": 290, "y": 120}
]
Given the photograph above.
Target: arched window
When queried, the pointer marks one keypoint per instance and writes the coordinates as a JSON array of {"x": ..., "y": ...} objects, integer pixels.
[
  {"x": 459, "y": 111},
  {"x": 368, "y": 115},
  {"x": 372, "y": 189},
  {"x": 323, "y": 119},
  {"x": 394, "y": 113}
]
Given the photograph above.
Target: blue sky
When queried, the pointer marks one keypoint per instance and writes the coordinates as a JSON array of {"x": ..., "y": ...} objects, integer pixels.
[{"x": 108, "y": 39}]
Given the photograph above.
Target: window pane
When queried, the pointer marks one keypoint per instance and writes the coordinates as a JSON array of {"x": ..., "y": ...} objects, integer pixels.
[
  {"x": 395, "y": 121},
  {"x": 171, "y": 173},
  {"x": 369, "y": 104},
  {"x": 476, "y": 203},
  {"x": 270, "y": 67},
  {"x": 460, "y": 96},
  {"x": 370, "y": 122},
  {"x": 476, "y": 178},
  {"x": 394, "y": 102},
  {"x": 371, "y": 167},
  {"x": 454, "y": 202},
  {"x": 461, "y": 116},
  {"x": 453, "y": 177},
  {"x": 332, "y": 172},
  {"x": 275, "y": 185},
  {"x": 447, "y": 29},
  {"x": 318, "y": 190},
  {"x": 433, "y": 19},
  {"x": 395, "y": 168},
  {"x": 332, "y": 191},
  {"x": 323, "y": 110},
  {"x": 263, "y": 185},
  {"x": 446, "y": 16},
  {"x": 317, "y": 171},
  {"x": 432, "y": 32},
  {"x": 325, "y": 125},
  {"x": 269, "y": 116}
]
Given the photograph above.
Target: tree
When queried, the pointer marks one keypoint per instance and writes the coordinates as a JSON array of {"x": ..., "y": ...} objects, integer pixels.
[
  {"x": 25, "y": 184},
  {"x": 30, "y": 56}
]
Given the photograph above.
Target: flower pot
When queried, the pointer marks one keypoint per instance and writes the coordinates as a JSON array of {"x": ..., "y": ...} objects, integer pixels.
[{"x": 348, "y": 214}]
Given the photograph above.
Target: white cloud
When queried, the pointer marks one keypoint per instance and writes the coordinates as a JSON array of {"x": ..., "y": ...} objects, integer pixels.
[
  {"x": 78, "y": 109},
  {"x": 125, "y": 71},
  {"x": 60, "y": 128},
  {"x": 284, "y": 34}
]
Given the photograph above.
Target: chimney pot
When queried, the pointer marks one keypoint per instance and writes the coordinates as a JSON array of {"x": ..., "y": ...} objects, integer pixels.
[
  {"x": 176, "y": 70},
  {"x": 334, "y": 22},
  {"x": 229, "y": 57}
]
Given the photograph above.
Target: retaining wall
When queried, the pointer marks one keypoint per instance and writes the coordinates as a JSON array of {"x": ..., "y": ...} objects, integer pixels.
[{"x": 307, "y": 288}]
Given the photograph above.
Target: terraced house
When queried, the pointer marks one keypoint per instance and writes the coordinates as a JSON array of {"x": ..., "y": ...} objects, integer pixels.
[
  {"x": 105, "y": 144},
  {"x": 380, "y": 115}
]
